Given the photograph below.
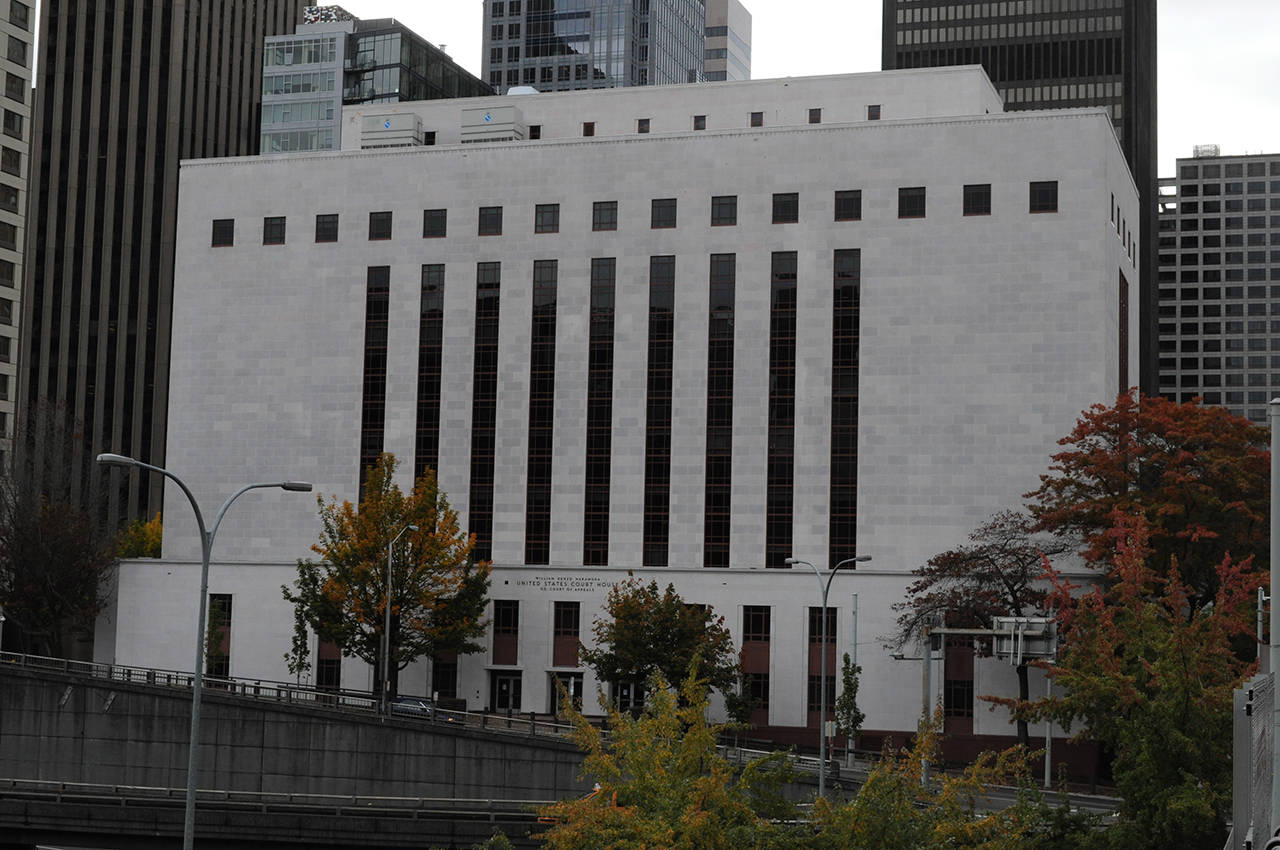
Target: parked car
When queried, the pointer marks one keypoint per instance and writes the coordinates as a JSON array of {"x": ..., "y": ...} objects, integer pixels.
[{"x": 414, "y": 707}]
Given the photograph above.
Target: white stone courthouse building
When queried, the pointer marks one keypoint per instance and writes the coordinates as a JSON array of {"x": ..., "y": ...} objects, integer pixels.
[{"x": 679, "y": 333}]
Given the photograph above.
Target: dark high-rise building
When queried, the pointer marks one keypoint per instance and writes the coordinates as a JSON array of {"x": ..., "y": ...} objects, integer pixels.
[
  {"x": 559, "y": 45},
  {"x": 126, "y": 90},
  {"x": 1048, "y": 54},
  {"x": 1219, "y": 281}
]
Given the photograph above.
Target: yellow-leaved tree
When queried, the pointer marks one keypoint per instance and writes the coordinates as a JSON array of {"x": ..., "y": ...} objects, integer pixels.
[{"x": 438, "y": 591}]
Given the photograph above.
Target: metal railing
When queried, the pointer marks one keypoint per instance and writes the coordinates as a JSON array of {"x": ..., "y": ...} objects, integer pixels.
[
  {"x": 291, "y": 693},
  {"x": 273, "y": 801}
]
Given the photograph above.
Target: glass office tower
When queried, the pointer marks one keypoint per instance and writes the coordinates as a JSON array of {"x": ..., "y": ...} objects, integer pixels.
[{"x": 560, "y": 45}]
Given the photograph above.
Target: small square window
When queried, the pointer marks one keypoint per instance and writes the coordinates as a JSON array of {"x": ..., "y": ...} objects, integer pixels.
[
  {"x": 10, "y": 161},
  {"x": 273, "y": 230},
  {"x": 588, "y": 128},
  {"x": 849, "y": 205},
  {"x": 911, "y": 202},
  {"x": 327, "y": 227},
  {"x": 546, "y": 218},
  {"x": 435, "y": 224},
  {"x": 757, "y": 119},
  {"x": 663, "y": 213},
  {"x": 1044, "y": 196},
  {"x": 786, "y": 207},
  {"x": 642, "y": 125},
  {"x": 977, "y": 199},
  {"x": 224, "y": 232},
  {"x": 379, "y": 225},
  {"x": 699, "y": 122},
  {"x": 535, "y": 130},
  {"x": 873, "y": 112},
  {"x": 724, "y": 210},
  {"x": 490, "y": 223},
  {"x": 604, "y": 215},
  {"x": 815, "y": 116}
]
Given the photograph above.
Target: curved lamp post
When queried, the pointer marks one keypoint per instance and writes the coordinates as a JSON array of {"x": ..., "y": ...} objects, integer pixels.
[
  {"x": 386, "y": 627},
  {"x": 822, "y": 682},
  {"x": 206, "y": 546}
]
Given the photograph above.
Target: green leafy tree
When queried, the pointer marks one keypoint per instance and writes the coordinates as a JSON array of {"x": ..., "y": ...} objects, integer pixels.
[
  {"x": 995, "y": 575},
  {"x": 1149, "y": 673},
  {"x": 57, "y": 556},
  {"x": 141, "y": 539},
  {"x": 1199, "y": 477},
  {"x": 438, "y": 592},
  {"x": 849, "y": 716},
  {"x": 646, "y": 630}
]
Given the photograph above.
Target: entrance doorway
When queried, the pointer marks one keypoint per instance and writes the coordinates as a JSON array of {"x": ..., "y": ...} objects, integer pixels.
[{"x": 505, "y": 690}]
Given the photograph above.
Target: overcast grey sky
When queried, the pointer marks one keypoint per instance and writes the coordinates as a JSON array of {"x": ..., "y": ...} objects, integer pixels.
[{"x": 1219, "y": 68}]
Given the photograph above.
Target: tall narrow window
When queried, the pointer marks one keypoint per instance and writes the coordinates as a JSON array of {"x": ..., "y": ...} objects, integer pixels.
[
  {"x": 484, "y": 407},
  {"x": 373, "y": 412},
  {"x": 657, "y": 442},
  {"x": 217, "y": 653},
  {"x": 844, "y": 404},
  {"x": 1122, "y": 342},
  {"x": 719, "y": 465},
  {"x": 564, "y": 634},
  {"x": 542, "y": 383},
  {"x": 782, "y": 409},
  {"x": 506, "y": 631},
  {"x": 595, "y": 536},
  {"x": 426, "y": 448}
]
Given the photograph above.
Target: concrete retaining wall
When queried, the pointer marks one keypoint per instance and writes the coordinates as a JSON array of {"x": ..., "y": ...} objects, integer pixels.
[{"x": 72, "y": 729}]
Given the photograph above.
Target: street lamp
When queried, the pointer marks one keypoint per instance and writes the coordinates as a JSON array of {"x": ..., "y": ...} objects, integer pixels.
[
  {"x": 206, "y": 547},
  {"x": 386, "y": 626},
  {"x": 822, "y": 682}
]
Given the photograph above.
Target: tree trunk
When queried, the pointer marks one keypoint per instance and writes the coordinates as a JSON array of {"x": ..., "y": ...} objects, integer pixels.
[{"x": 1024, "y": 695}]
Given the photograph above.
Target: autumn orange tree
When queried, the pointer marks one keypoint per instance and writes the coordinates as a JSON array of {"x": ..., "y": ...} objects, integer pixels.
[
  {"x": 1149, "y": 672},
  {"x": 1197, "y": 475},
  {"x": 438, "y": 591}
]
